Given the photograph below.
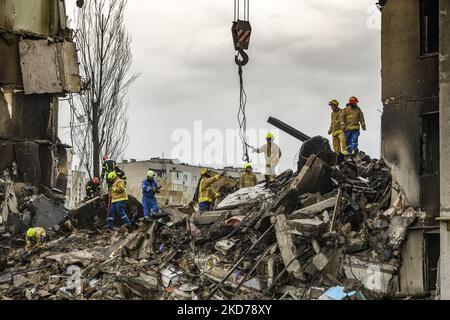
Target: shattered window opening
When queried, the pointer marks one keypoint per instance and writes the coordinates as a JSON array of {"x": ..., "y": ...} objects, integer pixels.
[
  {"x": 429, "y": 27},
  {"x": 429, "y": 158}
]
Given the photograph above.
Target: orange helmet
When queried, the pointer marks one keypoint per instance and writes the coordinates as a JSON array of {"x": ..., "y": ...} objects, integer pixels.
[
  {"x": 353, "y": 100},
  {"x": 105, "y": 157}
]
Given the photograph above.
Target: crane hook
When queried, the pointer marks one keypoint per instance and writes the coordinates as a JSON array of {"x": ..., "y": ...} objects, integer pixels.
[{"x": 241, "y": 62}]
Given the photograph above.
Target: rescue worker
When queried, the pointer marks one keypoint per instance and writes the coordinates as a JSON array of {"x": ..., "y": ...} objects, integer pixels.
[
  {"x": 272, "y": 153},
  {"x": 119, "y": 198},
  {"x": 110, "y": 166},
  {"x": 352, "y": 120},
  {"x": 336, "y": 131},
  {"x": 93, "y": 188},
  {"x": 206, "y": 194},
  {"x": 149, "y": 190},
  {"x": 248, "y": 179},
  {"x": 35, "y": 237}
]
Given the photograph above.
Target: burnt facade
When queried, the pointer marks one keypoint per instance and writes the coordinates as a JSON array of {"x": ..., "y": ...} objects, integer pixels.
[
  {"x": 38, "y": 65},
  {"x": 410, "y": 92},
  {"x": 412, "y": 45}
]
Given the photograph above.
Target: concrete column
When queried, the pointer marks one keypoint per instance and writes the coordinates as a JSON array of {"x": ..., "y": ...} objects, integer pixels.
[{"x": 444, "y": 75}]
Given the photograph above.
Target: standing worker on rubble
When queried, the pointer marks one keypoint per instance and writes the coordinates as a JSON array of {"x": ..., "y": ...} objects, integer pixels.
[
  {"x": 272, "y": 153},
  {"x": 248, "y": 179},
  {"x": 93, "y": 188},
  {"x": 119, "y": 198},
  {"x": 149, "y": 190},
  {"x": 111, "y": 166},
  {"x": 336, "y": 131},
  {"x": 34, "y": 237},
  {"x": 352, "y": 120},
  {"x": 205, "y": 195}
]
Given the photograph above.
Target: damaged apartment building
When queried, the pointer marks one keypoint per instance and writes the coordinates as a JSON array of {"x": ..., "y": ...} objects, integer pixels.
[
  {"x": 38, "y": 65},
  {"x": 415, "y": 131}
]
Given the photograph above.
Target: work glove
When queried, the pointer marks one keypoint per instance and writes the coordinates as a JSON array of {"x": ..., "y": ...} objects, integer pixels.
[{"x": 364, "y": 128}]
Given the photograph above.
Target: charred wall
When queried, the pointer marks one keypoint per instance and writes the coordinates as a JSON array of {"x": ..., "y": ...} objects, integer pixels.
[
  {"x": 38, "y": 64},
  {"x": 410, "y": 91}
]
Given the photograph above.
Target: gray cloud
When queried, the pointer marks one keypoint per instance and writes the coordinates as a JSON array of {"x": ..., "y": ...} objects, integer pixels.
[{"x": 303, "y": 53}]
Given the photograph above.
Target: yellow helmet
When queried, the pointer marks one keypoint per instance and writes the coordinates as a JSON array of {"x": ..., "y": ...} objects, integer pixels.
[
  {"x": 31, "y": 233},
  {"x": 112, "y": 176},
  {"x": 334, "y": 103},
  {"x": 270, "y": 136},
  {"x": 151, "y": 174},
  {"x": 247, "y": 166},
  {"x": 203, "y": 172}
]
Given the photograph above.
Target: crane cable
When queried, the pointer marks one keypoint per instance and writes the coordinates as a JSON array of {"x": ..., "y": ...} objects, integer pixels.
[{"x": 242, "y": 116}]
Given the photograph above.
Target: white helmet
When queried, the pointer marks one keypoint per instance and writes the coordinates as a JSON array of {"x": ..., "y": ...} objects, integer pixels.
[{"x": 151, "y": 174}]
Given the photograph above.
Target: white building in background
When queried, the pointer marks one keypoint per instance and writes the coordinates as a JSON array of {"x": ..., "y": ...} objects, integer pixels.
[
  {"x": 76, "y": 183},
  {"x": 179, "y": 180},
  {"x": 75, "y": 188}
]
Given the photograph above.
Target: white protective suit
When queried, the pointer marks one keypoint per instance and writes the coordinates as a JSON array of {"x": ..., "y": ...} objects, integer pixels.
[{"x": 272, "y": 159}]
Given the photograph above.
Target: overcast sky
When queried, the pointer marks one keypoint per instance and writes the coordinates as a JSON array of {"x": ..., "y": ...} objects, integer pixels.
[{"x": 302, "y": 54}]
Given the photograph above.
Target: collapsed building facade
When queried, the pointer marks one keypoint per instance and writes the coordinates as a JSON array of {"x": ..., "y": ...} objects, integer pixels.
[
  {"x": 415, "y": 80},
  {"x": 38, "y": 65}
]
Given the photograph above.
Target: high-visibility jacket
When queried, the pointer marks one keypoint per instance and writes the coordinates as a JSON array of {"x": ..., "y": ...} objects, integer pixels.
[
  {"x": 352, "y": 118},
  {"x": 248, "y": 180},
  {"x": 206, "y": 193},
  {"x": 336, "y": 126},
  {"x": 118, "y": 191},
  {"x": 37, "y": 239}
]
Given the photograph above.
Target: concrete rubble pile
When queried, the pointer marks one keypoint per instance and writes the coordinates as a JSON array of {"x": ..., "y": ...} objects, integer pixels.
[{"x": 331, "y": 231}]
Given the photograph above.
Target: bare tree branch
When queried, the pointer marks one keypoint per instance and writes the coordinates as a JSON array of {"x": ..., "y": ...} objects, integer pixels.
[{"x": 105, "y": 57}]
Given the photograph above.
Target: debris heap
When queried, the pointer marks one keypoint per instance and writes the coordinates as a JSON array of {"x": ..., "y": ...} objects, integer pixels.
[{"x": 330, "y": 231}]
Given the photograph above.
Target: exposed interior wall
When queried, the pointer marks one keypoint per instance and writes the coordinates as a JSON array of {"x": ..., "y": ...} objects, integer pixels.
[
  {"x": 410, "y": 88},
  {"x": 37, "y": 17}
]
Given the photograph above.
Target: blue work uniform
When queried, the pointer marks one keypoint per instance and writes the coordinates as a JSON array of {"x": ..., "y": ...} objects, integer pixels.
[{"x": 149, "y": 202}]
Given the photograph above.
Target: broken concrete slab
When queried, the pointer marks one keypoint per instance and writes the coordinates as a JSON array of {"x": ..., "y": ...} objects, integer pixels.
[
  {"x": 398, "y": 227},
  {"x": 320, "y": 261},
  {"x": 139, "y": 245},
  {"x": 246, "y": 196},
  {"x": 305, "y": 227},
  {"x": 85, "y": 257},
  {"x": 373, "y": 275},
  {"x": 224, "y": 246},
  {"x": 288, "y": 249},
  {"x": 311, "y": 211},
  {"x": 45, "y": 213}
]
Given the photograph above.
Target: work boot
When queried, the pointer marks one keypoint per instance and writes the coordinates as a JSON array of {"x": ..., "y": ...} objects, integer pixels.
[{"x": 147, "y": 220}]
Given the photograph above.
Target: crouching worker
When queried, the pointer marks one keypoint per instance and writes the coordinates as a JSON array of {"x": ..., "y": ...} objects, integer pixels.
[
  {"x": 93, "y": 188},
  {"x": 149, "y": 190},
  {"x": 35, "y": 238},
  {"x": 206, "y": 194},
  {"x": 119, "y": 198}
]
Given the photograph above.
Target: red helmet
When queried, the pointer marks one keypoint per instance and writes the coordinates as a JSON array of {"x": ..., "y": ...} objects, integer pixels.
[
  {"x": 96, "y": 180},
  {"x": 353, "y": 100},
  {"x": 105, "y": 157}
]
